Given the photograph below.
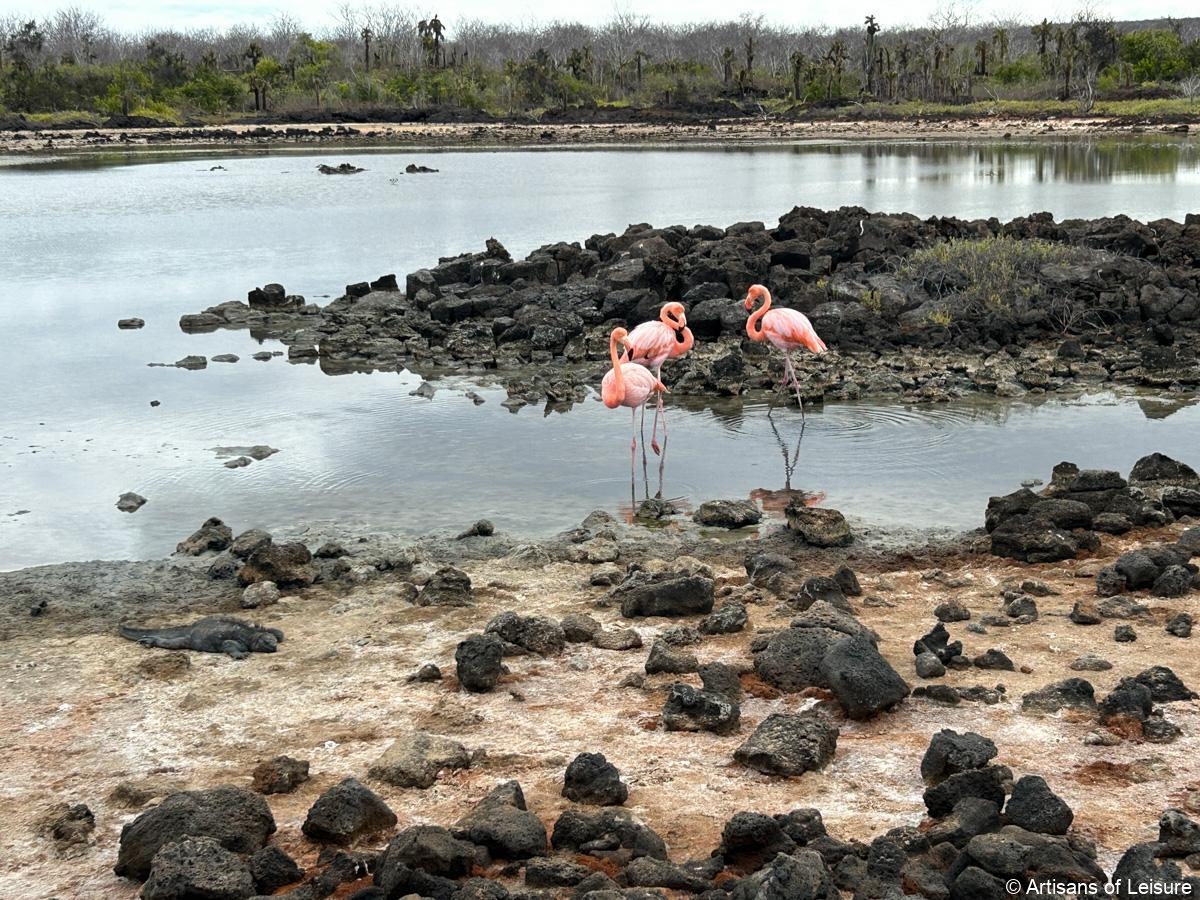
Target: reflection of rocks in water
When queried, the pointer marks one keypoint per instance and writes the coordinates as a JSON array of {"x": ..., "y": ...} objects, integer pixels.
[{"x": 1162, "y": 407}]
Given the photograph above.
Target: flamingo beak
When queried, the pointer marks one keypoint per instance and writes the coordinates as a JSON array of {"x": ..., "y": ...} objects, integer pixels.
[
  {"x": 748, "y": 303},
  {"x": 679, "y": 334}
]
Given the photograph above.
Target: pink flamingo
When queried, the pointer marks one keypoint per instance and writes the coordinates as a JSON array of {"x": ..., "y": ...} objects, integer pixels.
[
  {"x": 627, "y": 384},
  {"x": 787, "y": 329},
  {"x": 653, "y": 343}
]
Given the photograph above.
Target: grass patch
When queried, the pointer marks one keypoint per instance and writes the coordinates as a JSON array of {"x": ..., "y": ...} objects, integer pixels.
[
  {"x": 997, "y": 277},
  {"x": 64, "y": 117}
]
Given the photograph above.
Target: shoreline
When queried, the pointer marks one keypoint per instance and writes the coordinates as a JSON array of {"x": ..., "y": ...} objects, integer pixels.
[
  {"x": 505, "y": 135},
  {"x": 133, "y": 725}
]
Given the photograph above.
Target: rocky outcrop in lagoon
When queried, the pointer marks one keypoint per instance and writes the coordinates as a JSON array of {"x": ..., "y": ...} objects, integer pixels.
[{"x": 913, "y": 307}]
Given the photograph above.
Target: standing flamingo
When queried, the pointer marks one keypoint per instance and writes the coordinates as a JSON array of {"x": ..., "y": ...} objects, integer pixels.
[
  {"x": 653, "y": 343},
  {"x": 627, "y": 384},
  {"x": 787, "y": 329}
]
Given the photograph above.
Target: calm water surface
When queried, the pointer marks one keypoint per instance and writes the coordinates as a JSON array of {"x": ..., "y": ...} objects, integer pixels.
[{"x": 87, "y": 241}]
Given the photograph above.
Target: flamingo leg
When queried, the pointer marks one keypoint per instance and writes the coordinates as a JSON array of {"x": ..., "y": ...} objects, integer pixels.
[
  {"x": 658, "y": 412},
  {"x": 791, "y": 376},
  {"x": 633, "y": 455}
]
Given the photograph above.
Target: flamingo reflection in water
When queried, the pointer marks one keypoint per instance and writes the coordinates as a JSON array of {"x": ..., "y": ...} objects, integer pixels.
[{"x": 779, "y": 500}]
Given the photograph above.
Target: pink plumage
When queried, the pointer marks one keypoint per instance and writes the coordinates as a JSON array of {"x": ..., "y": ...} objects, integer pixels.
[
  {"x": 788, "y": 329},
  {"x": 785, "y": 329}
]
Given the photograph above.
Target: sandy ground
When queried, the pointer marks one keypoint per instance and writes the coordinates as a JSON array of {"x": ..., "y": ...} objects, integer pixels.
[
  {"x": 485, "y": 135},
  {"x": 80, "y": 715}
]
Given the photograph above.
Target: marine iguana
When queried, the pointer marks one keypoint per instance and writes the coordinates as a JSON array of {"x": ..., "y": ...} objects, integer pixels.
[{"x": 212, "y": 634}]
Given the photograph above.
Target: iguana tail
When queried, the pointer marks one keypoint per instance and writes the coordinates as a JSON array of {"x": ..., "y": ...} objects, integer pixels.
[{"x": 153, "y": 634}]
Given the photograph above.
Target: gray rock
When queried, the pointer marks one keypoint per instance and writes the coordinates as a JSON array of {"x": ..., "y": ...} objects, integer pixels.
[
  {"x": 802, "y": 875},
  {"x": 552, "y": 873},
  {"x": 503, "y": 823},
  {"x": 579, "y": 628},
  {"x": 624, "y": 639},
  {"x": 929, "y": 666},
  {"x": 820, "y": 589},
  {"x": 271, "y": 869},
  {"x": 785, "y": 744},
  {"x": 1175, "y": 581},
  {"x": 950, "y": 752},
  {"x": 1034, "y": 807},
  {"x": 346, "y": 811},
  {"x": 212, "y": 535},
  {"x": 1180, "y": 625},
  {"x": 1164, "y": 685},
  {"x": 264, "y": 593},
  {"x": 1110, "y": 582},
  {"x": 969, "y": 817},
  {"x": 817, "y": 526},
  {"x": 994, "y": 659},
  {"x": 432, "y": 849},
  {"x": 1178, "y": 834},
  {"x": 279, "y": 775},
  {"x": 723, "y": 679},
  {"x": 728, "y": 513},
  {"x": 688, "y": 709},
  {"x": 1090, "y": 662},
  {"x": 238, "y": 819},
  {"x": 663, "y": 658},
  {"x": 590, "y": 778},
  {"x": 951, "y": 611},
  {"x": 130, "y": 502},
  {"x": 581, "y": 831},
  {"x": 249, "y": 541},
  {"x": 863, "y": 681},
  {"x": 288, "y": 565},
  {"x": 730, "y": 618},
  {"x": 416, "y": 759},
  {"x": 478, "y": 661},
  {"x": 792, "y": 658},
  {"x": 447, "y": 586},
  {"x": 198, "y": 867},
  {"x": 987, "y": 783},
  {"x": 536, "y": 634},
  {"x": 1124, "y": 634},
  {"x": 1071, "y": 693},
  {"x": 667, "y": 594}
]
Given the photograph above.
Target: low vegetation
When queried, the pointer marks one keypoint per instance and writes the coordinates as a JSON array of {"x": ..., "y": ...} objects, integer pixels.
[
  {"x": 385, "y": 58},
  {"x": 997, "y": 277}
]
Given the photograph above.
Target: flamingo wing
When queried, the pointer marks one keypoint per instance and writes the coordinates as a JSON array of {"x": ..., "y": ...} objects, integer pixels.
[
  {"x": 788, "y": 329},
  {"x": 650, "y": 344},
  {"x": 640, "y": 384}
]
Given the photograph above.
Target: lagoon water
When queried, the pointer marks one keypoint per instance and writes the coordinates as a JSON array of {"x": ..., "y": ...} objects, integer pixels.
[{"x": 92, "y": 239}]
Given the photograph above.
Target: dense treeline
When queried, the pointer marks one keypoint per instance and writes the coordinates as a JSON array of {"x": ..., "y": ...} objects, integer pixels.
[{"x": 71, "y": 63}]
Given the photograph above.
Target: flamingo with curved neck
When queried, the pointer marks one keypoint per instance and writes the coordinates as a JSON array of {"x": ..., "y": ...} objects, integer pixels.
[
  {"x": 652, "y": 344},
  {"x": 786, "y": 329},
  {"x": 627, "y": 384}
]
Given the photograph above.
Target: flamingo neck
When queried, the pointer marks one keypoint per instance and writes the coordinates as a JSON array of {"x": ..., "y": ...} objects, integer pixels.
[
  {"x": 685, "y": 345},
  {"x": 618, "y": 375},
  {"x": 754, "y": 323}
]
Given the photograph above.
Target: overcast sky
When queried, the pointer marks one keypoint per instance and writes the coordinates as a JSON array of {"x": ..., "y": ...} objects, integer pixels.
[{"x": 134, "y": 16}]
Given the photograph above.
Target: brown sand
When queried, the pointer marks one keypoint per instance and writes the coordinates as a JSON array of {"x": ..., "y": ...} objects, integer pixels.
[{"x": 80, "y": 716}]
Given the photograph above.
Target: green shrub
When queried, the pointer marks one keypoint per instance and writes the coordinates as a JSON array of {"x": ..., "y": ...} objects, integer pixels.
[{"x": 997, "y": 277}]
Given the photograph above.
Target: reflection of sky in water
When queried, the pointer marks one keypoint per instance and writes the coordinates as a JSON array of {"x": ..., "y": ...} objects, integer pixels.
[{"x": 85, "y": 245}]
